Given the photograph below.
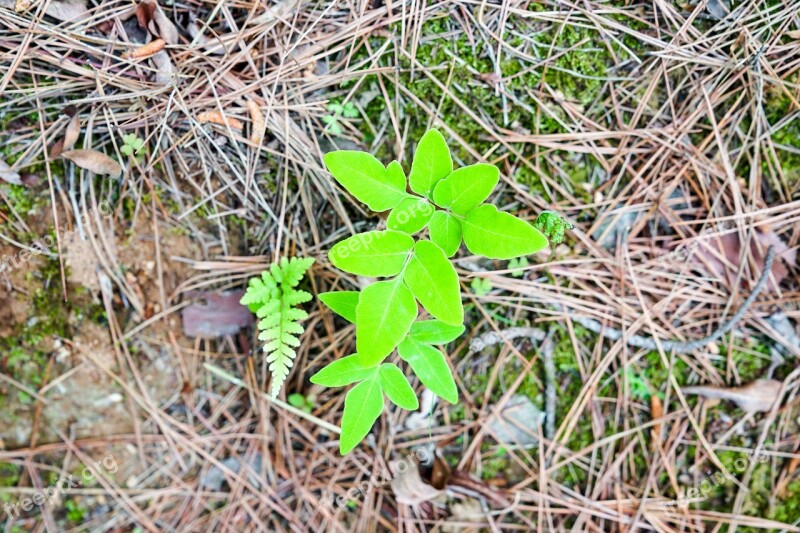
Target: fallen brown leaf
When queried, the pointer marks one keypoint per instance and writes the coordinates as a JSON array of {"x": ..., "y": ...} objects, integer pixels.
[
  {"x": 722, "y": 255},
  {"x": 165, "y": 70},
  {"x": 72, "y": 132},
  {"x": 756, "y": 397},
  {"x": 144, "y": 14},
  {"x": 8, "y": 175},
  {"x": 215, "y": 117},
  {"x": 408, "y": 486},
  {"x": 58, "y": 9},
  {"x": 216, "y": 314},
  {"x": 257, "y": 134},
  {"x": 94, "y": 161},
  {"x": 166, "y": 29},
  {"x": 147, "y": 50},
  {"x": 656, "y": 412}
]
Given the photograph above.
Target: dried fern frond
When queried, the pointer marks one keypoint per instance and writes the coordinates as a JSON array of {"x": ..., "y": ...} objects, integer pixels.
[{"x": 273, "y": 298}]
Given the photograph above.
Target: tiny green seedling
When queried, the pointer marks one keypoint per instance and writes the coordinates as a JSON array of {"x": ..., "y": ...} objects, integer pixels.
[
  {"x": 553, "y": 225},
  {"x": 426, "y": 227},
  {"x": 337, "y": 111},
  {"x": 305, "y": 403},
  {"x": 481, "y": 286},
  {"x": 131, "y": 144},
  {"x": 518, "y": 266},
  {"x": 274, "y": 298}
]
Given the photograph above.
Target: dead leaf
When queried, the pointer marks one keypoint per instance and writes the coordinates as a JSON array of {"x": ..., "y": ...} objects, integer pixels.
[
  {"x": 516, "y": 424},
  {"x": 147, "y": 50},
  {"x": 8, "y": 175},
  {"x": 468, "y": 512},
  {"x": 166, "y": 29},
  {"x": 165, "y": 70},
  {"x": 58, "y": 9},
  {"x": 722, "y": 255},
  {"x": 144, "y": 14},
  {"x": 756, "y": 397},
  {"x": 94, "y": 161},
  {"x": 216, "y": 314},
  {"x": 656, "y": 412},
  {"x": 794, "y": 34},
  {"x": 72, "y": 133},
  {"x": 408, "y": 487},
  {"x": 257, "y": 134},
  {"x": 215, "y": 117}
]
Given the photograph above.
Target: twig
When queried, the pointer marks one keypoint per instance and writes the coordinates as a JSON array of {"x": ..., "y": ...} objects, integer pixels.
[
  {"x": 684, "y": 346},
  {"x": 490, "y": 338},
  {"x": 546, "y": 351}
]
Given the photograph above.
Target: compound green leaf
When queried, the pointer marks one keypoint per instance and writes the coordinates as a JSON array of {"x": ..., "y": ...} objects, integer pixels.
[
  {"x": 410, "y": 216},
  {"x": 366, "y": 178},
  {"x": 373, "y": 253},
  {"x": 343, "y": 303},
  {"x": 466, "y": 188},
  {"x": 397, "y": 388},
  {"x": 384, "y": 315},
  {"x": 362, "y": 407},
  {"x": 446, "y": 231},
  {"x": 432, "y": 162},
  {"x": 430, "y": 366},
  {"x": 435, "y": 332},
  {"x": 434, "y": 282},
  {"x": 498, "y": 235},
  {"x": 343, "y": 372}
]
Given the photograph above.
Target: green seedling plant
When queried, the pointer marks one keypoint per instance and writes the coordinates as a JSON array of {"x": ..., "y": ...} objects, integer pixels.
[
  {"x": 131, "y": 144},
  {"x": 274, "y": 298},
  {"x": 553, "y": 226},
  {"x": 305, "y": 403},
  {"x": 481, "y": 286},
  {"x": 518, "y": 265},
  {"x": 411, "y": 259},
  {"x": 337, "y": 111}
]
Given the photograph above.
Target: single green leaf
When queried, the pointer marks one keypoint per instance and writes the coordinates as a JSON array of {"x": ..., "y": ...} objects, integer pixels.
[
  {"x": 466, "y": 188},
  {"x": 373, "y": 253},
  {"x": 296, "y": 400},
  {"x": 343, "y": 303},
  {"x": 411, "y": 215},
  {"x": 362, "y": 407},
  {"x": 498, "y": 235},
  {"x": 397, "y": 388},
  {"x": 384, "y": 315},
  {"x": 432, "y": 162},
  {"x": 343, "y": 372},
  {"x": 435, "y": 332},
  {"x": 366, "y": 178},
  {"x": 430, "y": 366},
  {"x": 446, "y": 232},
  {"x": 434, "y": 282}
]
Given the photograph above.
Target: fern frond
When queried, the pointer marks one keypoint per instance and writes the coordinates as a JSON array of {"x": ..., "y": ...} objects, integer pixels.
[{"x": 273, "y": 298}]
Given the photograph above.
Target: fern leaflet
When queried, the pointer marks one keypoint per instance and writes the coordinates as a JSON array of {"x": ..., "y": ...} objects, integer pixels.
[{"x": 273, "y": 298}]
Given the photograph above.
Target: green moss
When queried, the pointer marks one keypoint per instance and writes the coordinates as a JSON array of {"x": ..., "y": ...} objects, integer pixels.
[
  {"x": 787, "y": 509},
  {"x": 9, "y": 474},
  {"x": 573, "y": 61}
]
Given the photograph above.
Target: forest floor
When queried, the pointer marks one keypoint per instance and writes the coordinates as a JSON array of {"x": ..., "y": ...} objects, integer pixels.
[{"x": 667, "y": 133}]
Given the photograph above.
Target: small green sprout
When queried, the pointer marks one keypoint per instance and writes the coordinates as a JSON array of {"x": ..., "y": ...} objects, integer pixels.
[
  {"x": 305, "y": 403},
  {"x": 338, "y": 110},
  {"x": 131, "y": 144},
  {"x": 481, "y": 286},
  {"x": 517, "y": 265},
  {"x": 553, "y": 226}
]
